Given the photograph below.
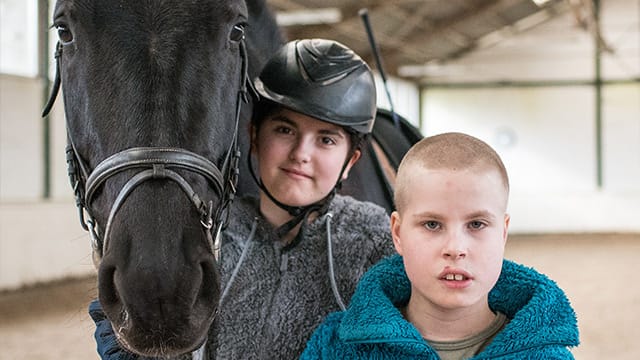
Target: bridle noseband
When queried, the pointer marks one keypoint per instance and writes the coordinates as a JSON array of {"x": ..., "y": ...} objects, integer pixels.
[{"x": 156, "y": 163}]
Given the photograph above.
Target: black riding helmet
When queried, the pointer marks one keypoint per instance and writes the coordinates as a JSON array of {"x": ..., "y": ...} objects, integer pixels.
[
  {"x": 322, "y": 79},
  {"x": 325, "y": 80}
]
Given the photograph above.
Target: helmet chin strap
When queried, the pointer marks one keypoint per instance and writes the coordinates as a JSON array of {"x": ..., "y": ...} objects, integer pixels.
[{"x": 299, "y": 213}]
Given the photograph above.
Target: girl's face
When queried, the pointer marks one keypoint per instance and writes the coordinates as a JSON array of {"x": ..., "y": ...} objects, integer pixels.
[
  {"x": 300, "y": 157},
  {"x": 452, "y": 234}
]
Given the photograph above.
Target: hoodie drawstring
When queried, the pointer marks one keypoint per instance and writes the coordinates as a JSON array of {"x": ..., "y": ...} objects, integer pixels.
[
  {"x": 332, "y": 275},
  {"x": 245, "y": 251},
  {"x": 249, "y": 242}
]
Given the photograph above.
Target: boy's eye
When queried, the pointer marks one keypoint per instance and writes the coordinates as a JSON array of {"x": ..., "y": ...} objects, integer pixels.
[
  {"x": 476, "y": 225},
  {"x": 432, "y": 225}
]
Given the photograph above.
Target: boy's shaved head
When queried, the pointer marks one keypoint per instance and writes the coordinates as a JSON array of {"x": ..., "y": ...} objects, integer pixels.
[{"x": 448, "y": 151}]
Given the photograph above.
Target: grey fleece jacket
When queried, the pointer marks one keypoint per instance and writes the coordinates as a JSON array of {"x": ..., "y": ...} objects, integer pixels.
[{"x": 279, "y": 294}]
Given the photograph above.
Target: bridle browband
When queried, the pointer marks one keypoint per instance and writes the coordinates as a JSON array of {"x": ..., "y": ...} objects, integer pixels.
[{"x": 155, "y": 163}]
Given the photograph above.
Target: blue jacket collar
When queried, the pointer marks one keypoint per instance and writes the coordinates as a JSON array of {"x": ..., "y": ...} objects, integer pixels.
[{"x": 539, "y": 310}]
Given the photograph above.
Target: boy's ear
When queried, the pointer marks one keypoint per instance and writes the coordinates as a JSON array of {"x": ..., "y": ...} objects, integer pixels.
[
  {"x": 396, "y": 221},
  {"x": 505, "y": 231}
]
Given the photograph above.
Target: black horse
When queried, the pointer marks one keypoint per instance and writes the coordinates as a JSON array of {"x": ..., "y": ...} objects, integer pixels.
[{"x": 155, "y": 94}]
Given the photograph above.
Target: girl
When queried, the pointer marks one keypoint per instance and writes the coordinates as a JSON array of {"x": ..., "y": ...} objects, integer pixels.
[{"x": 294, "y": 254}]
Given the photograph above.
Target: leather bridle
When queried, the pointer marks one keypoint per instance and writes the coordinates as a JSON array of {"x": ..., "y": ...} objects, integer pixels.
[{"x": 155, "y": 163}]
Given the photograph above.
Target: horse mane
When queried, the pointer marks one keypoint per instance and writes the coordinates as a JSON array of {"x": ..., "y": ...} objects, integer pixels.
[{"x": 264, "y": 36}]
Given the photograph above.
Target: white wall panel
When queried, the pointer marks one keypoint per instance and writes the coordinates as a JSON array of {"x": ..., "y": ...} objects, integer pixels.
[
  {"x": 547, "y": 139},
  {"x": 18, "y": 37},
  {"x": 621, "y": 139},
  {"x": 544, "y": 135},
  {"x": 20, "y": 139},
  {"x": 404, "y": 95},
  {"x": 40, "y": 242}
]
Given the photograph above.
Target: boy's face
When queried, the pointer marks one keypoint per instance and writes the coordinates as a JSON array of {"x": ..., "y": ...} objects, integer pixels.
[{"x": 451, "y": 234}]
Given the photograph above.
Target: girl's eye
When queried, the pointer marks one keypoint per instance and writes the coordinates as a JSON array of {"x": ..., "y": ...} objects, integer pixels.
[
  {"x": 328, "y": 141},
  {"x": 476, "y": 225},
  {"x": 283, "y": 130},
  {"x": 432, "y": 225},
  {"x": 64, "y": 34}
]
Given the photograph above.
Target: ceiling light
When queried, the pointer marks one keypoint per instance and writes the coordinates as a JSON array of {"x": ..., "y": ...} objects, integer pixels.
[
  {"x": 540, "y": 2},
  {"x": 309, "y": 17}
]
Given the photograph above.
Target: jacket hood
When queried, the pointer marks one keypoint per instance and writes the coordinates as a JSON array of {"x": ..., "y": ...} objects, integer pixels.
[{"x": 540, "y": 314}]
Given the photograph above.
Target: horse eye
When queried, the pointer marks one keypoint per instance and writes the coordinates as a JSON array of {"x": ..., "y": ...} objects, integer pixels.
[
  {"x": 237, "y": 33},
  {"x": 64, "y": 34}
]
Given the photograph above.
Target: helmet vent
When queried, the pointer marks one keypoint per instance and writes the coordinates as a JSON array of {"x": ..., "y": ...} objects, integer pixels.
[{"x": 325, "y": 61}]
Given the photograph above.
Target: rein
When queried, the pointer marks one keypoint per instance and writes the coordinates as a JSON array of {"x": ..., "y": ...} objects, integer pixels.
[{"x": 155, "y": 163}]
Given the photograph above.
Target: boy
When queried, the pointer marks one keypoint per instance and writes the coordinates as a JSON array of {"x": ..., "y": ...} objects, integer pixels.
[{"x": 449, "y": 294}]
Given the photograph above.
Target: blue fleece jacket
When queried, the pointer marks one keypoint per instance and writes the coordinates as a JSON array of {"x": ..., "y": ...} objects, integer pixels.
[{"x": 543, "y": 325}]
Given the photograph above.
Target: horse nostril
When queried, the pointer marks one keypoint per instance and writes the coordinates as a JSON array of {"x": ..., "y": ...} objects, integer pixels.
[
  {"x": 107, "y": 290},
  {"x": 210, "y": 287}
]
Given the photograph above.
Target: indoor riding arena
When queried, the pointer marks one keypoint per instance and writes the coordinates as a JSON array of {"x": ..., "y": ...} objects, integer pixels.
[{"x": 552, "y": 85}]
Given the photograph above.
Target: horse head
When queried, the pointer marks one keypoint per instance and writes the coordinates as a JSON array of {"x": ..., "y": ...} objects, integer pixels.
[{"x": 152, "y": 93}]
